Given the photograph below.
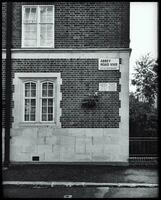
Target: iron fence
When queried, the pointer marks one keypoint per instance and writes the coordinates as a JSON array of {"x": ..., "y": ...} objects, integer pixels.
[{"x": 143, "y": 146}]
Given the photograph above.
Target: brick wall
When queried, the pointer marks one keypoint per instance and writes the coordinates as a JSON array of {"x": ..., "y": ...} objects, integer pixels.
[
  {"x": 80, "y": 77},
  {"x": 3, "y": 91},
  {"x": 4, "y": 13},
  {"x": 80, "y": 24}
]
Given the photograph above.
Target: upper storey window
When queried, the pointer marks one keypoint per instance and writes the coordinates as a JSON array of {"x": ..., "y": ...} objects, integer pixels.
[{"x": 38, "y": 26}]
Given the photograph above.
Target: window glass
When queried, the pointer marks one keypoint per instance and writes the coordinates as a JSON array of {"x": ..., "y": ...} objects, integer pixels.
[
  {"x": 46, "y": 34},
  {"x": 30, "y": 15},
  {"x": 50, "y": 89},
  {"x": 30, "y": 101},
  {"x": 49, "y": 14},
  {"x": 26, "y": 15},
  {"x": 47, "y": 101},
  {"x": 46, "y": 14},
  {"x": 50, "y": 117},
  {"x": 30, "y": 35},
  {"x": 30, "y": 109},
  {"x": 33, "y": 15}
]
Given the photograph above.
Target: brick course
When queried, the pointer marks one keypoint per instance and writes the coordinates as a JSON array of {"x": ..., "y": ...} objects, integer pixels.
[{"x": 80, "y": 24}]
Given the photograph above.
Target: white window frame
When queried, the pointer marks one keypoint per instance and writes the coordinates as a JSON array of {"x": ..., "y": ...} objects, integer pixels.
[
  {"x": 38, "y": 26},
  {"x": 38, "y": 114}
]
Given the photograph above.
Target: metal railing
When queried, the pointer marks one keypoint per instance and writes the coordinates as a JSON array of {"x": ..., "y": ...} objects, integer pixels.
[{"x": 143, "y": 146}]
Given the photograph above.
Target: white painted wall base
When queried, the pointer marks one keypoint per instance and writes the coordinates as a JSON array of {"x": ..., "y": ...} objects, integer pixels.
[{"x": 68, "y": 145}]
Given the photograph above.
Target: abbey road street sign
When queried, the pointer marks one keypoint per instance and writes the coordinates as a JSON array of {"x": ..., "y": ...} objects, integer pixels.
[{"x": 108, "y": 64}]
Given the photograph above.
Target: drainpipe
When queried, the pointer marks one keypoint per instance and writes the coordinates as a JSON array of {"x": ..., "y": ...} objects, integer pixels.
[{"x": 8, "y": 89}]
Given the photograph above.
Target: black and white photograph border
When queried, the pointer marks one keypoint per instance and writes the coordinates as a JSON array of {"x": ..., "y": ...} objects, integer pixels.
[{"x": 80, "y": 99}]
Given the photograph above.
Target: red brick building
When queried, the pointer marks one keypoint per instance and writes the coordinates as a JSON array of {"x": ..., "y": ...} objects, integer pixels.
[{"x": 69, "y": 64}]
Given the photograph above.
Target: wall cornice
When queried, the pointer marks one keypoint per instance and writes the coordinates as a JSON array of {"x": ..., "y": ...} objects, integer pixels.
[{"x": 63, "y": 53}]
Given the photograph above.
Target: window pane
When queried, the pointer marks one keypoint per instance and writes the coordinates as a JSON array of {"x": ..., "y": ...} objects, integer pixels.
[
  {"x": 33, "y": 15},
  {"x": 26, "y": 117},
  {"x": 50, "y": 14},
  {"x": 27, "y": 93},
  {"x": 30, "y": 31},
  {"x": 26, "y": 14},
  {"x": 50, "y": 86},
  {"x": 44, "y": 89},
  {"x": 46, "y": 35},
  {"x": 30, "y": 35},
  {"x": 50, "y": 110},
  {"x": 44, "y": 109},
  {"x": 50, "y": 90},
  {"x": 50, "y": 93},
  {"x": 33, "y": 86},
  {"x": 44, "y": 86},
  {"x": 50, "y": 102},
  {"x": 43, "y": 35},
  {"x": 50, "y": 117},
  {"x": 30, "y": 109},
  {"x": 33, "y": 93},
  {"x": 33, "y": 102},
  {"x": 33, "y": 109},
  {"x": 27, "y": 86},
  {"x": 42, "y": 14},
  {"x": 44, "y": 102},
  {"x": 30, "y": 15},
  {"x": 46, "y": 14},
  {"x": 27, "y": 106},
  {"x": 32, "y": 117},
  {"x": 49, "y": 32},
  {"x": 44, "y": 117},
  {"x": 44, "y": 93}
]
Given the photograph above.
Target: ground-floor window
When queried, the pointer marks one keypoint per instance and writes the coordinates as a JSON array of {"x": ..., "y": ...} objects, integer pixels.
[{"x": 37, "y": 98}]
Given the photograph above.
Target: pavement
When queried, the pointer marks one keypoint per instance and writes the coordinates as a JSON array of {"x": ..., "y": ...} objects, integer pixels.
[
  {"x": 81, "y": 173},
  {"x": 74, "y": 181}
]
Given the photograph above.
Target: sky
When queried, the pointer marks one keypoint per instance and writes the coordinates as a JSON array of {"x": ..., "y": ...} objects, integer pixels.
[{"x": 143, "y": 31}]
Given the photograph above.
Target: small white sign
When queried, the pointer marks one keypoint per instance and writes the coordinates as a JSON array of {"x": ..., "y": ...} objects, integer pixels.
[
  {"x": 107, "y": 86},
  {"x": 108, "y": 64}
]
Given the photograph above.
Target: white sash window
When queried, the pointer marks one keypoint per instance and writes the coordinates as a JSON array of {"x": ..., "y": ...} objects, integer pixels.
[{"x": 38, "y": 26}]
